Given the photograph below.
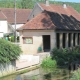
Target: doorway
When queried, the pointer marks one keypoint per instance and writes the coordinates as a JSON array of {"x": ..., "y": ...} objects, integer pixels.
[{"x": 46, "y": 43}]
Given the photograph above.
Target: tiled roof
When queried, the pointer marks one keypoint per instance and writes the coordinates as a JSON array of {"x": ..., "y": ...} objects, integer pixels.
[
  {"x": 64, "y": 22},
  {"x": 2, "y": 16},
  {"x": 52, "y": 20},
  {"x": 61, "y": 10},
  {"x": 42, "y": 21},
  {"x": 21, "y": 14}
]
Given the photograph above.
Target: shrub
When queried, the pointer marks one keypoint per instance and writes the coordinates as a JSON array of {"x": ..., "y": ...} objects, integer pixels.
[
  {"x": 66, "y": 56},
  {"x": 12, "y": 39},
  {"x": 48, "y": 63},
  {"x": 76, "y": 75},
  {"x": 8, "y": 51}
]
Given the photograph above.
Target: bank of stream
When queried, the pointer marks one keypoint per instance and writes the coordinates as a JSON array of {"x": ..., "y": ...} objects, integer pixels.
[{"x": 40, "y": 74}]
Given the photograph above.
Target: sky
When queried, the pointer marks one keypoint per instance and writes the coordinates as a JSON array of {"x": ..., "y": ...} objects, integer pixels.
[{"x": 77, "y": 1}]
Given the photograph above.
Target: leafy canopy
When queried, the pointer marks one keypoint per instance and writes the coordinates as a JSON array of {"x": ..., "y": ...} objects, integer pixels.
[{"x": 8, "y": 51}]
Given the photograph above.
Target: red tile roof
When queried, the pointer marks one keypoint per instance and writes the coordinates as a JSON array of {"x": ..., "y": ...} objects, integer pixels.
[
  {"x": 61, "y": 10},
  {"x": 54, "y": 17},
  {"x": 21, "y": 15},
  {"x": 2, "y": 16},
  {"x": 51, "y": 20},
  {"x": 42, "y": 21}
]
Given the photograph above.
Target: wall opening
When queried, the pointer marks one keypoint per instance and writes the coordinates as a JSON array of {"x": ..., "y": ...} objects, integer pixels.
[
  {"x": 74, "y": 39},
  {"x": 46, "y": 43},
  {"x": 63, "y": 40},
  {"x": 78, "y": 38},
  {"x": 57, "y": 40},
  {"x": 69, "y": 40}
]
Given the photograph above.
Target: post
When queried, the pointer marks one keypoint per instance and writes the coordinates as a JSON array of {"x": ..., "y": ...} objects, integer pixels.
[
  {"x": 66, "y": 40},
  {"x": 76, "y": 39},
  {"x": 71, "y": 39},
  {"x": 15, "y": 20},
  {"x": 61, "y": 40}
]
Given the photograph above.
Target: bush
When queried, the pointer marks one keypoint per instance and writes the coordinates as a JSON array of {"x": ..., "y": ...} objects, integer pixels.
[
  {"x": 12, "y": 39},
  {"x": 76, "y": 75},
  {"x": 48, "y": 63},
  {"x": 8, "y": 51},
  {"x": 66, "y": 56}
]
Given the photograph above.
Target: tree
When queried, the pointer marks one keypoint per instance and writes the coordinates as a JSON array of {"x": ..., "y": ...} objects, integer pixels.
[
  {"x": 8, "y": 51},
  {"x": 27, "y": 4}
]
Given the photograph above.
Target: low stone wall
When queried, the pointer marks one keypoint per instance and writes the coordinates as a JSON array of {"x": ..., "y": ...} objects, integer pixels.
[
  {"x": 26, "y": 61},
  {"x": 7, "y": 68}
]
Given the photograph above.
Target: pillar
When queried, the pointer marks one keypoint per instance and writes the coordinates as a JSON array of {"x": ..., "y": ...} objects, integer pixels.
[
  {"x": 61, "y": 40},
  {"x": 66, "y": 38},
  {"x": 71, "y": 39},
  {"x": 76, "y": 39},
  {"x": 79, "y": 38}
]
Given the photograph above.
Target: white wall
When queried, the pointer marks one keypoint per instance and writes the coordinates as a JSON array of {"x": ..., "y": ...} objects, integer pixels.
[
  {"x": 3, "y": 26},
  {"x": 37, "y": 40},
  {"x": 17, "y": 26},
  {"x": 7, "y": 68},
  {"x": 1, "y": 34}
]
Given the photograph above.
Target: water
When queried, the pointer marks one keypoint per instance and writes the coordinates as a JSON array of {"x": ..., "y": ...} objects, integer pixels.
[{"x": 40, "y": 74}]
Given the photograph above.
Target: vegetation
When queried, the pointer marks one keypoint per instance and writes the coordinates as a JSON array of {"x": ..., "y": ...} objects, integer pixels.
[
  {"x": 13, "y": 39},
  {"x": 76, "y": 75},
  {"x": 66, "y": 56},
  {"x": 48, "y": 63},
  {"x": 30, "y": 3},
  {"x": 8, "y": 51}
]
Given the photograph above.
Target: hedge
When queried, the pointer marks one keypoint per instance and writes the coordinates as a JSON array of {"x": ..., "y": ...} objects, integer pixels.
[{"x": 8, "y": 51}]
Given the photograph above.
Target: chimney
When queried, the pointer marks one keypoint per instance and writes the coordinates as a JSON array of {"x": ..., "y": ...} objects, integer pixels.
[
  {"x": 64, "y": 6},
  {"x": 47, "y": 2}
]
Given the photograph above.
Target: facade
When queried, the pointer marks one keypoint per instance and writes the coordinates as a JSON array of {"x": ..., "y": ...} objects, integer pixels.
[
  {"x": 7, "y": 23},
  {"x": 54, "y": 26},
  {"x": 5, "y": 28}
]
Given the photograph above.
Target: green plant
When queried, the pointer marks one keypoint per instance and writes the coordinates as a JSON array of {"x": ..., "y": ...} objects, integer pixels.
[
  {"x": 8, "y": 51},
  {"x": 66, "y": 56},
  {"x": 76, "y": 75},
  {"x": 12, "y": 39},
  {"x": 48, "y": 63},
  {"x": 34, "y": 78}
]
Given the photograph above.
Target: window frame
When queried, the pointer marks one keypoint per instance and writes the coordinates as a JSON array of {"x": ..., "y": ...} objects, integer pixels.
[{"x": 24, "y": 42}]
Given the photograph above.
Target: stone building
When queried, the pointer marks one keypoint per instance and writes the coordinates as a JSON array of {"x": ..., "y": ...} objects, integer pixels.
[{"x": 50, "y": 26}]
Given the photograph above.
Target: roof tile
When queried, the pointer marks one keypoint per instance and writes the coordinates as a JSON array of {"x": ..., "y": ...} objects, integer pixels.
[
  {"x": 52, "y": 20},
  {"x": 21, "y": 14},
  {"x": 61, "y": 10}
]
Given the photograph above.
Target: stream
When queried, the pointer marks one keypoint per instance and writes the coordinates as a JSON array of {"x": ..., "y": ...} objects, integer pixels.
[{"x": 40, "y": 74}]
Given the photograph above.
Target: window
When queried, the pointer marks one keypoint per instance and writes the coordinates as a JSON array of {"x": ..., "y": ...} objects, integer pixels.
[{"x": 27, "y": 40}]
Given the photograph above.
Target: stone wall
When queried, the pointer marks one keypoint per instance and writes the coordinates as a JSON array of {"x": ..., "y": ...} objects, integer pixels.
[
  {"x": 7, "y": 68},
  {"x": 37, "y": 36}
]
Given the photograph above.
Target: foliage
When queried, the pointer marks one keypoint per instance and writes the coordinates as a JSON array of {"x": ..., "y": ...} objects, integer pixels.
[
  {"x": 30, "y": 3},
  {"x": 48, "y": 63},
  {"x": 8, "y": 51},
  {"x": 34, "y": 78},
  {"x": 12, "y": 39},
  {"x": 27, "y": 4},
  {"x": 66, "y": 56},
  {"x": 76, "y": 75}
]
